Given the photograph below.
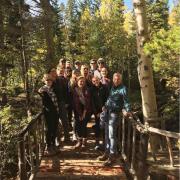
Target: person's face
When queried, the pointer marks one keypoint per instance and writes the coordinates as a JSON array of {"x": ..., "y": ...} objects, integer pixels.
[
  {"x": 104, "y": 72},
  {"x": 53, "y": 74},
  {"x": 60, "y": 71},
  {"x": 68, "y": 64},
  {"x": 68, "y": 72},
  {"x": 75, "y": 75},
  {"x": 81, "y": 83},
  {"x": 78, "y": 66},
  {"x": 96, "y": 82},
  {"x": 117, "y": 80},
  {"x": 62, "y": 64},
  {"x": 48, "y": 82},
  {"x": 93, "y": 65},
  {"x": 85, "y": 71},
  {"x": 100, "y": 65}
]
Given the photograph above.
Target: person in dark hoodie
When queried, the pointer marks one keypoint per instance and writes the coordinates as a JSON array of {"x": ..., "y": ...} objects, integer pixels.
[
  {"x": 50, "y": 110},
  {"x": 99, "y": 94}
]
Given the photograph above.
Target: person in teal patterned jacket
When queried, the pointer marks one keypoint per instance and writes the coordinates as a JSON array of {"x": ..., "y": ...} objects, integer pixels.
[{"x": 116, "y": 103}]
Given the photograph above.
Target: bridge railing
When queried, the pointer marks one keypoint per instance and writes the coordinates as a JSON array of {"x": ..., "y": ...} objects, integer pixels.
[
  {"x": 134, "y": 144},
  {"x": 31, "y": 144}
]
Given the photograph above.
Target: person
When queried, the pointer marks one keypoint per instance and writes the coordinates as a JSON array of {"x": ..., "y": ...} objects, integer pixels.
[
  {"x": 68, "y": 75},
  {"x": 93, "y": 66},
  {"x": 77, "y": 65},
  {"x": 101, "y": 64},
  {"x": 105, "y": 80},
  {"x": 99, "y": 94},
  {"x": 116, "y": 102},
  {"x": 86, "y": 75},
  {"x": 62, "y": 63},
  {"x": 68, "y": 64},
  {"x": 71, "y": 86},
  {"x": 60, "y": 90},
  {"x": 63, "y": 81},
  {"x": 82, "y": 111},
  {"x": 50, "y": 110}
]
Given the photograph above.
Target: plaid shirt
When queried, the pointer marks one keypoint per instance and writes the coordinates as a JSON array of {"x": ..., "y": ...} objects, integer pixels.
[{"x": 52, "y": 95}]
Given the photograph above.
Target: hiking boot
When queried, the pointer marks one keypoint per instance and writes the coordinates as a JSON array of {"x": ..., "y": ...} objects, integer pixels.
[
  {"x": 78, "y": 144},
  {"x": 104, "y": 157},
  {"x": 110, "y": 161}
]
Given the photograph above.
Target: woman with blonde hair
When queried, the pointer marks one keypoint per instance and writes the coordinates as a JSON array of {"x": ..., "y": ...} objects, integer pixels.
[{"x": 82, "y": 110}]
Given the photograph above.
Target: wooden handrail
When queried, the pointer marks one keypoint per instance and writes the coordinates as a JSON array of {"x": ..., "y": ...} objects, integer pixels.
[
  {"x": 164, "y": 132},
  {"x": 33, "y": 121},
  {"x": 31, "y": 147},
  {"x": 133, "y": 151}
]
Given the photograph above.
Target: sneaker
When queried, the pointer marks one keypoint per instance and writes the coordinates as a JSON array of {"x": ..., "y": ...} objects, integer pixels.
[
  {"x": 97, "y": 147},
  {"x": 84, "y": 142},
  {"x": 49, "y": 151},
  {"x": 74, "y": 138},
  {"x": 104, "y": 157},
  {"x": 110, "y": 161},
  {"x": 78, "y": 144}
]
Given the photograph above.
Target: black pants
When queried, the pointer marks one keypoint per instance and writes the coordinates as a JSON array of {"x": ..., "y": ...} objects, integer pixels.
[
  {"x": 97, "y": 129},
  {"x": 51, "y": 122},
  {"x": 69, "y": 113},
  {"x": 64, "y": 120},
  {"x": 81, "y": 126}
]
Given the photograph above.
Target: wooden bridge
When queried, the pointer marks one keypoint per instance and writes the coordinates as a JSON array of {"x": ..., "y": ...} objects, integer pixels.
[{"x": 135, "y": 160}]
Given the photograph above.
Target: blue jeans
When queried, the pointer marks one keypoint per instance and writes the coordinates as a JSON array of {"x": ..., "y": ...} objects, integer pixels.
[{"x": 111, "y": 127}]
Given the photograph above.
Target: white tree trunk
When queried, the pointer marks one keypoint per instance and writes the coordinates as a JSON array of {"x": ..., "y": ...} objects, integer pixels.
[{"x": 145, "y": 74}]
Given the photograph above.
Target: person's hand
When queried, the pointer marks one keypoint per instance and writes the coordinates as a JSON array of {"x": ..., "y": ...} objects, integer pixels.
[
  {"x": 127, "y": 114},
  {"x": 98, "y": 115},
  {"x": 40, "y": 90},
  {"x": 84, "y": 114},
  {"x": 81, "y": 118},
  {"x": 104, "y": 108}
]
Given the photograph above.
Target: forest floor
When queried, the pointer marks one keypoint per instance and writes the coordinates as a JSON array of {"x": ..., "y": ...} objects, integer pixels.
[{"x": 79, "y": 164}]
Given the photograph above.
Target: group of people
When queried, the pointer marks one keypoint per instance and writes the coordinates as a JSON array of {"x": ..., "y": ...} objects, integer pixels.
[{"x": 72, "y": 94}]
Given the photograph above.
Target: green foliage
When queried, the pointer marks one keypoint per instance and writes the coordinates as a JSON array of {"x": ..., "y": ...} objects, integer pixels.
[
  {"x": 164, "y": 48},
  {"x": 11, "y": 124},
  {"x": 157, "y": 15}
]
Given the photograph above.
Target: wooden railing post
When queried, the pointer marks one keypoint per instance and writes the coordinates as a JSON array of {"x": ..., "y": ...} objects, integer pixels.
[
  {"x": 129, "y": 148},
  {"x": 142, "y": 169},
  {"x": 36, "y": 145},
  {"x": 21, "y": 159},
  {"x": 133, "y": 150},
  {"x": 123, "y": 138},
  {"x": 170, "y": 151}
]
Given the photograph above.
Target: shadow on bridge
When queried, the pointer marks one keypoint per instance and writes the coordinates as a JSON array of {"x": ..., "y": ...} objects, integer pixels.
[{"x": 79, "y": 164}]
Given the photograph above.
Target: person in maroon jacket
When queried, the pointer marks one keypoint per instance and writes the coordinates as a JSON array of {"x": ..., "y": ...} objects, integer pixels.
[{"x": 82, "y": 110}]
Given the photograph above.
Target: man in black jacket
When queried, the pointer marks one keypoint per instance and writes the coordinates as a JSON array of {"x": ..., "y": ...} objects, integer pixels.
[
  {"x": 59, "y": 86},
  {"x": 99, "y": 94}
]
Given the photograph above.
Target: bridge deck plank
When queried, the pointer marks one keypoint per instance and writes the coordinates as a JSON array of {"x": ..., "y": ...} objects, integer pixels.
[{"x": 73, "y": 164}]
